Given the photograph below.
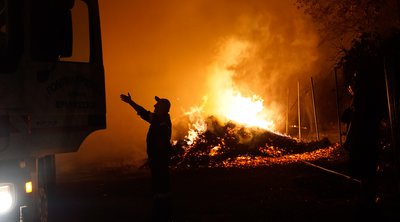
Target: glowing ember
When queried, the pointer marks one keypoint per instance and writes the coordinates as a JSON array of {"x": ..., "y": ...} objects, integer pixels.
[
  {"x": 214, "y": 151},
  {"x": 257, "y": 161},
  {"x": 231, "y": 145}
]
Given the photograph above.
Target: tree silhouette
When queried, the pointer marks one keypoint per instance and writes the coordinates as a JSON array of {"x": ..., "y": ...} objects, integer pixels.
[{"x": 343, "y": 21}]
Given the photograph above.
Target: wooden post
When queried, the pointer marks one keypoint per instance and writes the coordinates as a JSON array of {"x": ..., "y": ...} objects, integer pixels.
[
  {"x": 315, "y": 109},
  {"x": 391, "y": 105},
  {"x": 287, "y": 113},
  {"x": 337, "y": 106},
  {"x": 298, "y": 108},
  {"x": 393, "y": 119}
]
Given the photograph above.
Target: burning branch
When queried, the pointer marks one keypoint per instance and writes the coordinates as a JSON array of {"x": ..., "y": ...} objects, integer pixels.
[{"x": 231, "y": 144}]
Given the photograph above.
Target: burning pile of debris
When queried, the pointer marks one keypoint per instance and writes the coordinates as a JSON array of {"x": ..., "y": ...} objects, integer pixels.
[{"x": 233, "y": 145}]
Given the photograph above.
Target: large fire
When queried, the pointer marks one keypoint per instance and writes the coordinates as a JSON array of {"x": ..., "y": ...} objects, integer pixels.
[
  {"x": 248, "y": 111},
  {"x": 230, "y": 129},
  {"x": 228, "y": 102}
]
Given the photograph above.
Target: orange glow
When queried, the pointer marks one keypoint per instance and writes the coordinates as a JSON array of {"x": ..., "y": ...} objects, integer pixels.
[
  {"x": 245, "y": 110},
  {"x": 197, "y": 124},
  {"x": 28, "y": 187},
  {"x": 240, "y": 56},
  {"x": 257, "y": 161},
  {"x": 214, "y": 150},
  {"x": 227, "y": 102}
]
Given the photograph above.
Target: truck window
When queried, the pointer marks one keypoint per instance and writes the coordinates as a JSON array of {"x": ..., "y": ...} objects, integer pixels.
[
  {"x": 80, "y": 34},
  {"x": 3, "y": 27},
  {"x": 51, "y": 29},
  {"x": 11, "y": 33}
]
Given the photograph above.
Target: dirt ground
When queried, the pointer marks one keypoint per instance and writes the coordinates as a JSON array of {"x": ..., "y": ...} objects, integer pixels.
[{"x": 290, "y": 192}]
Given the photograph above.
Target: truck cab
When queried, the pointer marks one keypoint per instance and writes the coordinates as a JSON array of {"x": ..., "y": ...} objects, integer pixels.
[{"x": 52, "y": 96}]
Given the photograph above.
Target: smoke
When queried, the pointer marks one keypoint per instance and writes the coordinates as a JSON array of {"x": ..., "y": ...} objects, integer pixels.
[{"x": 168, "y": 47}]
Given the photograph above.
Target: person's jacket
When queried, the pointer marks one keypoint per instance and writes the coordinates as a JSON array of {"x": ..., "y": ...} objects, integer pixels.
[{"x": 158, "y": 138}]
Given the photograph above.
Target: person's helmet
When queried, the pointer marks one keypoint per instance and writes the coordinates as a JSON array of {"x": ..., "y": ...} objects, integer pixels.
[{"x": 165, "y": 105}]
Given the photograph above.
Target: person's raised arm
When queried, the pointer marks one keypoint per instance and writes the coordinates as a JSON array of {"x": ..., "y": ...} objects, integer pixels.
[
  {"x": 142, "y": 112},
  {"x": 127, "y": 98}
]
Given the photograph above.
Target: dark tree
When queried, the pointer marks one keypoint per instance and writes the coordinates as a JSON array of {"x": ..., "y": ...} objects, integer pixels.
[
  {"x": 367, "y": 35},
  {"x": 342, "y": 21}
]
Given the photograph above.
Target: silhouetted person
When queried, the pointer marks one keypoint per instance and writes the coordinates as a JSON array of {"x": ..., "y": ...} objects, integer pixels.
[
  {"x": 364, "y": 135},
  {"x": 346, "y": 118},
  {"x": 347, "y": 114},
  {"x": 158, "y": 152}
]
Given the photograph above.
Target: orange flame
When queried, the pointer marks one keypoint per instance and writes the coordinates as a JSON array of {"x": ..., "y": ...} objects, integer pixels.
[
  {"x": 226, "y": 100},
  {"x": 248, "y": 111},
  {"x": 197, "y": 124}
]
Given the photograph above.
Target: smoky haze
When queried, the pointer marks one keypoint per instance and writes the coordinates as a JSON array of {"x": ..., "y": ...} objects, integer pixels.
[{"x": 166, "y": 48}]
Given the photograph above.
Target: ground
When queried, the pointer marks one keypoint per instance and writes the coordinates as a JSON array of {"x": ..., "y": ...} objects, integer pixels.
[{"x": 281, "y": 192}]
